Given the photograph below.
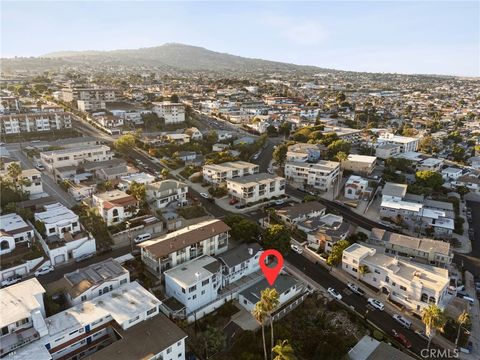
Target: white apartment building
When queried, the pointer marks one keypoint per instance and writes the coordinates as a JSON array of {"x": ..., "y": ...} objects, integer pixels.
[
  {"x": 433, "y": 252},
  {"x": 414, "y": 286},
  {"x": 218, "y": 173},
  {"x": 90, "y": 328},
  {"x": 407, "y": 144},
  {"x": 431, "y": 164},
  {"x": 91, "y": 105},
  {"x": 387, "y": 150},
  {"x": 94, "y": 280},
  {"x": 322, "y": 175},
  {"x": 108, "y": 121},
  {"x": 239, "y": 261},
  {"x": 34, "y": 185},
  {"x": 75, "y": 156},
  {"x": 100, "y": 94},
  {"x": 451, "y": 173},
  {"x": 173, "y": 113},
  {"x": 58, "y": 220},
  {"x": 115, "y": 206},
  {"x": 253, "y": 188},
  {"x": 360, "y": 164},
  {"x": 163, "y": 193},
  {"x": 12, "y": 224},
  {"x": 33, "y": 122},
  {"x": 194, "y": 283},
  {"x": 205, "y": 238},
  {"x": 23, "y": 313}
]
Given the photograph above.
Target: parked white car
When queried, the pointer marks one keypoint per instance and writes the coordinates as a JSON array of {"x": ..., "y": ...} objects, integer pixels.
[
  {"x": 204, "y": 195},
  {"x": 11, "y": 280},
  {"x": 334, "y": 293},
  {"x": 354, "y": 288},
  {"x": 376, "y": 304},
  {"x": 296, "y": 248},
  {"x": 44, "y": 270},
  {"x": 402, "y": 321},
  {"x": 39, "y": 167}
]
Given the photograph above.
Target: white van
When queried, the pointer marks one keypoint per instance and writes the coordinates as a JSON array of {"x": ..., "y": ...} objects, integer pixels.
[
  {"x": 402, "y": 321},
  {"x": 142, "y": 237}
]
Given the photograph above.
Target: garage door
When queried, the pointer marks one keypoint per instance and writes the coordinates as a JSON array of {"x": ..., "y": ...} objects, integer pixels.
[{"x": 59, "y": 259}]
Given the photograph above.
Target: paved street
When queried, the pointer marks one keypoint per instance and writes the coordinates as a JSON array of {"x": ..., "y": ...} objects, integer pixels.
[
  {"x": 380, "y": 318},
  {"x": 49, "y": 185},
  {"x": 471, "y": 262}
]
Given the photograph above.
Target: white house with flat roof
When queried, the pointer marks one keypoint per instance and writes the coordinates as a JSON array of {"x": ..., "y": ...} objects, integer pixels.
[
  {"x": 412, "y": 285},
  {"x": 194, "y": 283},
  {"x": 23, "y": 313},
  {"x": 58, "y": 220},
  {"x": 432, "y": 164},
  {"x": 406, "y": 144},
  {"x": 303, "y": 152},
  {"x": 218, "y": 173},
  {"x": 92, "y": 325},
  {"x": 34, "y": 185},
  {"x": 173, "y": 113},
  {"x": 75, "y": 156},
  {"x": 13, "y": 224},
  {"x": 451, "y": 173},
  {"x": 360, "y": 164},
  {"x": 253, "y": 188},
  {"x": 139, "y": 178},
  {"x": 321, "y": 175}
]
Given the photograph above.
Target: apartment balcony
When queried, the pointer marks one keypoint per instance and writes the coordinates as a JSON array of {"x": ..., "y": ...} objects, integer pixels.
[{"x": 18, "y": 339}]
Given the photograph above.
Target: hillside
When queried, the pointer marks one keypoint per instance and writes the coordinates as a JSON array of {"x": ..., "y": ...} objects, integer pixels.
[{"x": 169, "y": 56}]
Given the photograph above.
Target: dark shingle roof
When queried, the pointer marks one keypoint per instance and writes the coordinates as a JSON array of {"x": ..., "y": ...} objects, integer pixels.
[
  {"x": 239, "y": 254},
  {"x": 282, "y": 284}
]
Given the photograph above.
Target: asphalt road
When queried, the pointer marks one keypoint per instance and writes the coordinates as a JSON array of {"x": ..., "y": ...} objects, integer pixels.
[{"x": 380, "y": 318}]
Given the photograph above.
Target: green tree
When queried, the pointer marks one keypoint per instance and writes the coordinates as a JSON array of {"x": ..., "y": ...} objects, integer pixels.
[
  {"x": 338, "y": 146},
  {"x": 165, "y": 172},
  {"x": 335, "y": 256},
  {"x": 270, "y": 300},
  {"x": 329, "y": 138},
  {"x": 458, "y": 153},
  {"x": 272, "y": 130},
  {"x": 429, "y": 178},
  {"x": 14, "y": 170},
  {"x": 434, "y": 319},
  {"x": 138, "y": 191},
  {"x": 125, "y": 143},
  {"x": 174, "y": 98},
  {"x": 280, "y": 154},
  {"x": 285, "y": 128},
  {"x": 277, "y": 237},
  {"x": 462, "y": 320},
  {"x": 243, "y": 229},
  {"x": 340, "y": 156},
  {"x": 214, "y": 338},
  {"x": 283, "y": 351},
  {"x": 427, "y": 144},
  {"x": 260, "y": 314}
]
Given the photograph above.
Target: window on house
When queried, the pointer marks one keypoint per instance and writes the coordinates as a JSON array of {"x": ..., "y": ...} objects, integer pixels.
[
  {"x": 51, "y": 231},
  {"x": 123, "y": 281},
  {"x": 169, "y": 350},
  {"x": 83, "y": 298},
  {"x": 194, "y": 297},
  {"x": 151, "y": 311},
  {"x": 387, "y": 279},
  {"x": 183, "y": 290},
  {"x": 354, "y": 269},
  {"x": 193, "y": 288},
  {"x": 403, "y": 288},
  {"x": 376, "y": 271},
  {"x": 205, "y": 282},
  {"x": 4, "y": 330},
  {"x": 203, "y": 292},
  {"x": 393, "y": 283}
]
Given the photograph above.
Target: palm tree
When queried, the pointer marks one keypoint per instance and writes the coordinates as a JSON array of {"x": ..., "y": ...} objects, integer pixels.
[
  {"x": 363, "y": 270},
  {"x": 463, "y": 318},
  {"x": 260, "y": 314},
  {"x": 434, "y": 319},
  {"x": 14, "y": 170},
  {"x": 269, "y": 299},
  {"x": 283, "y": 351}
]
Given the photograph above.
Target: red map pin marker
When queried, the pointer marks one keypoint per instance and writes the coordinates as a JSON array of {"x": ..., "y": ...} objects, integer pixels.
[{"x": 271, "y": 273}]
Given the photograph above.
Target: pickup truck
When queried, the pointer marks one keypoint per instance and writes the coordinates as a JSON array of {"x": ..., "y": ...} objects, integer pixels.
[{"x": 354, "y": 288}]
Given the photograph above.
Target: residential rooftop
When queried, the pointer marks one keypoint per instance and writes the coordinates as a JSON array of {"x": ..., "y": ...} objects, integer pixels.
[
  {"x": 193, "y": 271},
  {"x": 54, "y": 213}
]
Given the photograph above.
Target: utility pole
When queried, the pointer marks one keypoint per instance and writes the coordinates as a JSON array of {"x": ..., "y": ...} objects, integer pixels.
[{"x": 127, "y": 224}]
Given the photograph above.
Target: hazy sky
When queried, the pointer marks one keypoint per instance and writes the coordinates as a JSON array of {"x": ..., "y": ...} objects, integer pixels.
[{"x": 405, "y": 37}]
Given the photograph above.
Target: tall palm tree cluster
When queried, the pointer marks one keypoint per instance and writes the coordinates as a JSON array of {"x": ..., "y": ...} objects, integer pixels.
[{"x": 263, "y": 312}]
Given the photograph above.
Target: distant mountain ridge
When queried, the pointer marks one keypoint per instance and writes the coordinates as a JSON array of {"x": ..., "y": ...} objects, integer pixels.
[{"x": 175, "y": 56}]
